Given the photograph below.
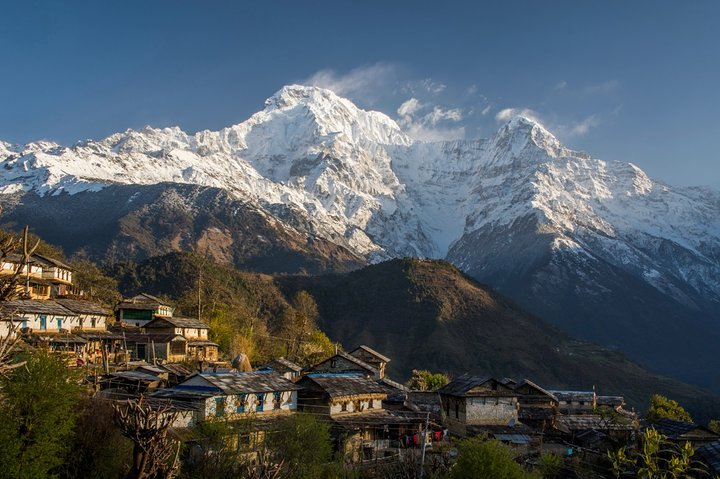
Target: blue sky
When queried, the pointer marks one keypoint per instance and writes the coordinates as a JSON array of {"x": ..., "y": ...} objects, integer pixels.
[{"x": 632, "y": 81}]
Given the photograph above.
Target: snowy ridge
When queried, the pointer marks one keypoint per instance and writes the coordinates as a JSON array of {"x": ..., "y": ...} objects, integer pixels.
[{"x": 319, "y": 163}]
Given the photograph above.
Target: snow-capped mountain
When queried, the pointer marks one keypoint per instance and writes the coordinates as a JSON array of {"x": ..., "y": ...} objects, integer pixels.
[{"x": 557, "y": 230}]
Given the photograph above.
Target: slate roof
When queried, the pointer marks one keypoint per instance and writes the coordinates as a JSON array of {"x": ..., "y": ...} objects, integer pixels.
[
  {"x": 51, "y": 261},
  {"x": 135, "y": 376},
  {"x": 360, "y": 363},
  {"x": 287, "y": 364},
  {"x": 149, "y": 337},
  {"x": 370, "y": 350},
  {"x": 382, "y": 417},
  {"x": 178, "y": 323},
  {"x": 710, "y": 455},
  {"x": 338, "y": 385},
  {"x": 677, "y": 429},
  {"x": 613, "y": 401},
  {"x": 242, "y": 383},
  {"x": 462, "y": 384},
  {"x": 569, "y": 396},
  {"x": 33, "y": 306},
  {"x": 201, "y": 342},
  {"x": 533, "y": 385},
  {"x": 576, "y": 422},
  {"x": 83, "y": 307}
]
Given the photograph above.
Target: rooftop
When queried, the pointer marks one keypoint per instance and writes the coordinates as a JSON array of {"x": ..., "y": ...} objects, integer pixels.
[
  {"x": 371, "y": 351},
  {"x": 177, "y": 322},
  {"x": 32, "y": 306},
  {"x": 240, "y": 383},
  {"x": 83, "y": 307},
  {"x": 338, "y": 385},
  {"x": 461, "y": 385}
]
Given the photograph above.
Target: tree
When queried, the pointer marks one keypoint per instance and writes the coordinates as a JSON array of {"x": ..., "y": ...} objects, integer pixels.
[
  {"x": 98, "y": 448},
  {"x": 302, "y": 443},
  {"x": 96, "y": 285},
  {"x": 658, "y": 458},
  {"x": 155, "y": 452},
  {"x": 478, "y": 457},
  {"x": 714, "y": 425},
  {"x": 37, "y": 415},
  {"x": 424, "y": 380},
  {"x": 664, "y": 408}
]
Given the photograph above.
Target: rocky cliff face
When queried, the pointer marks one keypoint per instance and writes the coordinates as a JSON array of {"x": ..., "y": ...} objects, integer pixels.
[{"x": 594, "y": 246}]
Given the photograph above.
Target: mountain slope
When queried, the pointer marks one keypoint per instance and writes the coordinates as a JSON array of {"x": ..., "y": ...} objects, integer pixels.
[
  {"x": 428, "y": 315},
  {"x": 124, "y": 222},
  {"x": 595, "y": 247}
]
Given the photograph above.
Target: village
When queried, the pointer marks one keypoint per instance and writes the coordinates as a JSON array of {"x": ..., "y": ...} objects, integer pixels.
[{"x": 142, "y": 351}]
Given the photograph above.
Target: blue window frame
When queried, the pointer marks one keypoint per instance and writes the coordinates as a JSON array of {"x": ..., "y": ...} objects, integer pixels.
[
  {"x": 43, "y": 322},
  {"x": 260, "y": 402}
]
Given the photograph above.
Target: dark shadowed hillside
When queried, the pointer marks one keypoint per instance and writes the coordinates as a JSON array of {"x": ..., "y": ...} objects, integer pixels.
[
  {"x": 427, "y": 314},
  {"x": 132, "y": 222}
]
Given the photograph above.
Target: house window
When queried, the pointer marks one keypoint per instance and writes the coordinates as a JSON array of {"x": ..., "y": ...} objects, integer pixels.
[
  {"x": 220, "y": 406},
  {"x": 370, "y": 404},
  {"x": 260, "y": 402},
  {"x": 241, "y": 403},
  {"x": 447, "y": 408},
  {"x": 343, "y": 406},
  {"x": 93, "y": 322},
  {"x": 277, "y": 399},
  {"x": 457, "y": 411},
  {"x": 177, "y": 347}
]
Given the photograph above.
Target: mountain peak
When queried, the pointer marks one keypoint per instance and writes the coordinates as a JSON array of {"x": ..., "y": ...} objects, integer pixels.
[
  {"x": 292, "y": 95},
  {"x": 521, "y": 131}
]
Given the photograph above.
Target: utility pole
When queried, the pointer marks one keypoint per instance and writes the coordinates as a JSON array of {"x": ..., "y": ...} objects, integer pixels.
[{"x": 424, "y": 441}]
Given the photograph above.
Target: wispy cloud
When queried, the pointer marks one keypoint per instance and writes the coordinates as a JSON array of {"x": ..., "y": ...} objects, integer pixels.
[
  {"x": 428, "y": 122},
  {"x": 362, "y": 83},
  {"x": 560, "y": 86},
  {"x": 507, "y": 114},
  {"x": 600, "y": 88}
]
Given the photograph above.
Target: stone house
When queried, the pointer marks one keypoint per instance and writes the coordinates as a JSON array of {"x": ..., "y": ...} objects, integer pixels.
[
  {"x": 285, "y": 368},
  {"x": 353, "y": 404},
  {"x": 371, "y": 357},
  {"x": 235, "y": 395},
  {"x": 143, "y": 308},
  {"x": 538, "y": 406},
  {"x": 199, "y": 347},
  {"x": 477, "y": 401},
  {"x": 345, "y": 363}
]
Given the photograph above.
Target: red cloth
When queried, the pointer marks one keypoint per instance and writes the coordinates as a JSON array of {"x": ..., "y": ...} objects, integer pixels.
[
  {"x": 437, "y": 435},
  {"x": 416, "y": 439}
]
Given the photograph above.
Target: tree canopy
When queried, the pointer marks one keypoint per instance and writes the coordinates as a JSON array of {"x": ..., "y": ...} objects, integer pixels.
[{"x": 664, "y": 408}]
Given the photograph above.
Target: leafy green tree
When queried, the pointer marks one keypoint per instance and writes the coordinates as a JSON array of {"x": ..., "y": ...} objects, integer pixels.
[
  {"x": 424, "y": 380},
  {"x": 98, "y": 449},
  {"x": 478, "y": 457},
  {"x": 662, "y": 407},
  {"x": 302, "y": 443},
  {"x": 550, "y": 465},
  {"x": 714, "y": 425},
  {"x": 37, "y": 415},
  {"x": 96, "y": 285},
  {"x": 658, "y": 458}
]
